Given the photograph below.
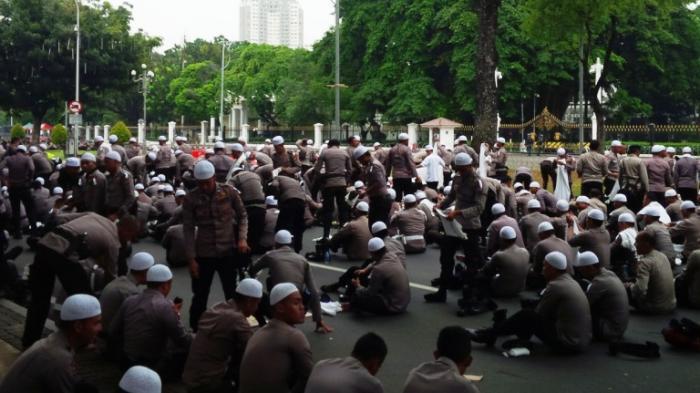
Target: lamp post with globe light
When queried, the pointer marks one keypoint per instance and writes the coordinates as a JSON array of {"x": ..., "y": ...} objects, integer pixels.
[{"x": 144, "y": 80}]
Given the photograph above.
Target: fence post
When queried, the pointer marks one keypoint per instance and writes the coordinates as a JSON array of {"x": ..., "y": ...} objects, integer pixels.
[
  {"x": 203, "y": 134},
  {"x": 141, "y": 132},
  {"x": 413, "y": 134},
  {"x": 106, "y": 132},
  {"x": 171, "y": 132},
  {"x": 244, "y": 132}
]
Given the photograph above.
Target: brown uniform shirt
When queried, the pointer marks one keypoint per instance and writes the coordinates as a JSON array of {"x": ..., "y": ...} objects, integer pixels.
[
  {"x": 508, "y": 270},
  {"x": 653, "y": 291},
  {"x": 337, "y": 165},
  {"x": 399, "y": 163},
  {"x": 119, "y": 192},
  {"x": 353, "y": 238},
  {"x": 565, "y": 304}
]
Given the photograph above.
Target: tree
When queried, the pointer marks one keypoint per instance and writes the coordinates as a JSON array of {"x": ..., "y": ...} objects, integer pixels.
[
  {"x": 17, "y": 131},
  {"x": 59, "y": 135},
  {"x": 121, "y": 131},
  {"x": 194, "y": 92},
  {"x": 486, "y": 60}
]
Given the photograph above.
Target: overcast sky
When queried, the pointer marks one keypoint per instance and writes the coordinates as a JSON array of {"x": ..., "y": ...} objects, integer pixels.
[{"x": 174, "y": 19}]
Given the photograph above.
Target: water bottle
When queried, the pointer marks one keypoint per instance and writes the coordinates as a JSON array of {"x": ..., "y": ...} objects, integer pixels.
[{"x": 327, "y": 256}]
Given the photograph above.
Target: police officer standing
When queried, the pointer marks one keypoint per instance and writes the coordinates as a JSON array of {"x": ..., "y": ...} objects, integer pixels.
[
  {"x": 19, "y": 181},
  {"x": 375, "y": 178},
  {"x": 89, "y": 196},
  {"x": 119, "y": 188},
  {"x": 165, "y": 158},
  {"x": 222, "y": 163},
  {"x": 222, "y": 230},
  {"x": 401, "y": 167},
  {"x": 334, "y": 182}
]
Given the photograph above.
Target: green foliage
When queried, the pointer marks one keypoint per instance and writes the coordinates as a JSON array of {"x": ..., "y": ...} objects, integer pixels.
[
  {"x": 17, "y": 132},
  {"x": 194, "y": 92},
  {"x": 121, "y": 131},
  {"x": 59, "y": 135}
]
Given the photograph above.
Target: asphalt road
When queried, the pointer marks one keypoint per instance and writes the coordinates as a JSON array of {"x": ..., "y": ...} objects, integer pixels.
[{"x": 411, "y": 340}]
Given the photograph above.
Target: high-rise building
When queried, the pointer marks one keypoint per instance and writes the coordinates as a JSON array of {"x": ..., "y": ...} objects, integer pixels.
[{"x": 274, "y": 22}]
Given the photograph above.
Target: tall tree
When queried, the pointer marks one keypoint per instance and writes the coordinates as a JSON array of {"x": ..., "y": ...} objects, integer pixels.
[{"x": 486, "y": 62}]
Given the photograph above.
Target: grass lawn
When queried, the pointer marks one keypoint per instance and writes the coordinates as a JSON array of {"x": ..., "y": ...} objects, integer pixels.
[
  {"x": 537, "y": 176},
  {"x": 61, "y": 154}
]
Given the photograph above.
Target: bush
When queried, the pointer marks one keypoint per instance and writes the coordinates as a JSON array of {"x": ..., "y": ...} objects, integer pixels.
[
  {"x": 17, "y": 132},
  {"x": 121, "y": 132},
  {"x": 59, "y": 135}
]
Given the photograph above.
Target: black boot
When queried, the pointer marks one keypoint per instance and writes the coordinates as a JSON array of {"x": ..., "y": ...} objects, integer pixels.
[
  {"x": 438, "y": 297},
  {"x": 484, "y": 336}
]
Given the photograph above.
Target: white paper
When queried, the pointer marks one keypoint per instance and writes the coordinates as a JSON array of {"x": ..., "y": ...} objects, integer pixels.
[{"x": 452, "y": 228}]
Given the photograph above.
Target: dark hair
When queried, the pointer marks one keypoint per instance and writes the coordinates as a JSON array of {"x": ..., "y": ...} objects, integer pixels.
[
  {"x": 368, "y": 347},
  {"x": 333, "y": 142},
  {"x": 381, "y": 234},
  {"x": 595, "y": 145},
  {"x": 646, "y": 237},
  {"x": 454, "y": 343},
  {"x": 634, "y": 149}
]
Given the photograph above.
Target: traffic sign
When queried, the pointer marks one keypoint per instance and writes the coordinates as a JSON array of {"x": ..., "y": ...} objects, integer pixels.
[
  {"x": 75, "y": 107},
  {"x": 75, "y": 119}
]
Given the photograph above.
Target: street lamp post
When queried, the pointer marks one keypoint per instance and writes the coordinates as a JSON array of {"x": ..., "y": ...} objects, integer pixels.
[
  {"x": 145, "y": 80},
  {"x": 77, "y": 50},
  {"x": 224, "y": 47}
]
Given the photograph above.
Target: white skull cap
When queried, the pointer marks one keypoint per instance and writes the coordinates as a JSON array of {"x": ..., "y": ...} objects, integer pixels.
[
  {"x": 159, "y": 273},
  {"x": 73, "y": 162},
  {"x": 687, "y": 150},
  {"x": 626, "y": 217},
  {"x": 671, "y": 150},
  {"x": 113, "y": 139},
  {"x": 58, "y": 191},
  {"x": 283, "y": 237},
  {"x": 533, "y": 204},
  {"x": 463, "y": 159},
  {"x": 99, "y": 138},
  {"x": 556, "y": 260},
  {"x": 151, "y": 156},
  {"x": 461, "y": 138},
  {"x": 392, "y": 193},
  {"x": 139, "y": 187},
  {"x": 616, "y": 143},
  {"x": 270, "y": 201},
  {"x": 562, "y": 205},
  {"x": 501, "y": 140},
  {"x": 359, "y": 152},
  {"x": 281, "y": 291},
  {"x": 178, "y": 152},
  {"x": 88, "y": 157},
  {"x": 622, "y": 198},
  {"x": 688, "y": 205},
  {"x": 33, "y": 149},
  {"x": 40, "y": 180},
  {"x": 518, "y": 184},
  {"x": 219, "y": 145},
  {"x": 141, "y": 261},
  {"x": 162, "y": 138},
  {"x": 498, "y": 208},
  {"x": 378, "y": 227},
  {"x": 409, "y": 198},
  {"x": 420, "y": 195},
  {"x": 535, "y": 184},
  {"x": 140, "y": 379},
  {"x": 114, "y": 156},
  {"x": 359, "y": 184},
  {"x": 168, "y": 188},
  {"x": 561, "y": 151},
  {"x": 278, "y": 140},
  {"x": 250, "y": 287},
  {"x": 180, "y": 193},
  {"x": 428, "y": 147},
  {"x": 596, "y": 214},
  {"x": 657, "y": 149},
  {"x": 375, "y": 244},
  {"x": 204, "y": 170},
  {"x": 237, "y": 147},
  {"x": 586, "y": 258},
  {"x": 507, "y": 233},
  {"x": 544, "y": 227},
  {"x": 583, "y": 199},
  {"x": 670, "y": 193},
  {"x": 362, "y": 206},
  {"x": 79, "y": 307},
  {"x": 403, "y": 136}
]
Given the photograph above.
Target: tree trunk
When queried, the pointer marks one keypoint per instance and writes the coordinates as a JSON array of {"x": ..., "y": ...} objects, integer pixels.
[
  {"x": 36, "y": 127},
  {"x": 486, "y": 61}
]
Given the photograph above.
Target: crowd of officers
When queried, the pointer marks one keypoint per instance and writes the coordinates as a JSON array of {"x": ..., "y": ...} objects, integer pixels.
[{"x": 630, "y": 239}]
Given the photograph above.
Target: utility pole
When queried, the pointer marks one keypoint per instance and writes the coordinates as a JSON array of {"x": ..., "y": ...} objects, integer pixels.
[
  {"x": 337, "y": 64},
  {"x": 77, "y": 50},
  {"x": 221, "y": 99},
  {"x": 580, "y": 96}
]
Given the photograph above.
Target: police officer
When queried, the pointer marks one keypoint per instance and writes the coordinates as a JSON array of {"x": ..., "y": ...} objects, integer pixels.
[
  {"x": 278, "y": 356},
  {"x": 216, "y": 351},
  {"x": 222, "y": 163},
  {"x": 375, "y": 179},
  {"x": 185, "y": 162},
  {"x": 337, "y": 168},
  {"x": 281, "y": 158},
  {"x": 548, "y": 243},
  {"x": 548, "y": 202},
  {"x": 529, "y": 223},
  {"x": 222, "y": 229},
  {"x": 660, "y": 175},
  {"x": 354, "y": 235},
  {"x": 42, "y": 165},
  {"x": 461, "y": 146},
  {"x": 49, "y": 365},
  {"x": 634, "y": 180},
  {"x": 659, "y": 231},
  {"x": 119, "y": 289},
  {"x": 613, "y": 158},
  {"x": 652, "y": 291},
  {"x": 166, "y": 205},
  {"x": 592, "y": 168},
  {"x": 685, "y": 175},
  {"x": 19, "y": 181},
  {"x": 182, "y": 144},
  {"x": 250, "y": 186},
  {"x": 400, "y": 165},
  {"x": 595, "y": 238},
  {"x": 501, "y": 220},
  {"x": 507, "y": 269},
  {"x": 132, "y": 149},
  {"x": 57, "y": 256},
  {"x": 90, "y": 195},
  {"x": 410, "y": 223},
  {"x": 165, "y": 158},
  {"x": 116, "y": 146},
  {"x": 688, "y": 228},
  {"x": 119, "y": 188},
  {"x": 292, "y": 203}
]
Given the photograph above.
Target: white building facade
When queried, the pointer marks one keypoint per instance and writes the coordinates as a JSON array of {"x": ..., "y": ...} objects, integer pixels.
[{"x": 273, "y": 22}]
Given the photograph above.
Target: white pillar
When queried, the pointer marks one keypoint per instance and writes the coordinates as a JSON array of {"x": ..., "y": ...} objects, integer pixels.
[
  {"x": 171, "y": 132},
  {"x": 106, "y": 132},
  {"x": 318, "y": 135},
  {"x": 87, "y": 132},
  {"x": 412, "y": 134},
  {"x": 212, "y": 126},
  {"x": 142, "y": 133},
  {"x": 203, "y": 134},
  {"x": 447, "y": 137},
  {"x": 97, "y": 131},
  {"x": 244, "y": 131}
]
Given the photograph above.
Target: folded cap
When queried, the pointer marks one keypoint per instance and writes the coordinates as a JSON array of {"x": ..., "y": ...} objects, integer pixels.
[
  {"x": 544, "y": 227},
  {"x": 409, "y": 198},
  {"x": 687, "y": 150},
  {"x": 616, "y": 143},
  {"x": 219, "y": 145},
  {"x": 141, "y": 261},
  {"x": 33, "y": 149},
  {"x": 497, "y": 209},
  {"x": 283, "y": 237},
  {"x": 533, "y": 204},
  {"x": 375, "y": 244},
  {"x": 278, "y": 140},
  {"x": 626, "y": 218},
  {"x": 670, "y": 193},
  {"x": 139, "y": 379},
  {"x": 281, "y": 291},
  {"x": 562, "y": 205},
  {"x": 204, "y": 170},
  {"x": 79, "y": 307},
  {"x": 162, "y": 138},
  {"x": 180, "y": 193},
  {"x": 561, "y": 151},
  {"x": 58, "y": 191},
  {"x": 237, "y": 147},
  {"x": 556, "y": 260},
  {"x": 114, "y": 156},
  {"x": 139, "y": 187},
  {"x": 420, "y": 195},
  {"x": 113, "y": 139},
  {"x": 359, "y": 152},
  {"x": 657, "y": 149},
  {"x": 687, "y": 205},
  {"x": 159, "y": 273},
  {"x": 250, "y": 287},
  {"x": 586, "y": 258},
  {"x": 362, "y": 206},
  {"x": 270, "y": 201},
  {"x": 378, "y": 226},
  {"x": 463, "y": 159},
  {"x": 501, "y": 140},
  {"x": 88, "y": 157},
  {"x": 359, "y": 184},
  {"x": 622, "y": 198},
  {"x": 535, "y": 184},
  {"x": 596, "y": 214},
  {"x": 403, "y": 136},
  {"x": 73, "y": 162},
  {"x": 583, "y": 199},
  {"x": 507, "y": 233}
]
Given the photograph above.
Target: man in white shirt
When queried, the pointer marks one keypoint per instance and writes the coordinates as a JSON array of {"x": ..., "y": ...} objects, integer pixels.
[{"x": 433, "y": 165}]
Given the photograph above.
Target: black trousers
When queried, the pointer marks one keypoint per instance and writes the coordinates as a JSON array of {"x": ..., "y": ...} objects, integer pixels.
[
  {"x": 291, "y": 218},
  {"x": 226, "y": 267},
  {"x": 256, "y": 226},
  {"x": 379, "y": 208},
  {"x": 635, "y": 199},
  {"x": 432, "y": 184},
  {"x": 365, "y": 302},
  {"x": 587, "y": 187},
  {"x": 168, "y": 172},
  {"x": 21, "y": 195},
  {"x": 333, "y": 196},
  {"x": 47, "y": 266},
  {"x": 446, "y": 178},
  {"x": 688, "y": 194},
  {"x": 527, "y": 323},
  {"x": 609, "y": 184},
  {"x": 448, "y": 249},
  {"x": 403, "y": 186},
  {"x": 657, "y": 196}
]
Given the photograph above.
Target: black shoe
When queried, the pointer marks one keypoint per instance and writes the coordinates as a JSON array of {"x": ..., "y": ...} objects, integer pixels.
[
  {"x": 437, "y": 297},
  {"x": 435, "y": 282},
  {"x": 475, "y": 308},
  {"x": 484, "y": 336}
]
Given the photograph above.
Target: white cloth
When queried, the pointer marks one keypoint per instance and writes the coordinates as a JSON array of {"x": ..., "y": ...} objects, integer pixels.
[
  {"x": 433, "y": 167},
  {"x": 483, "y": 164},
  {"x": 561, "y": 189},
  {"x": 627, "y": 238}
]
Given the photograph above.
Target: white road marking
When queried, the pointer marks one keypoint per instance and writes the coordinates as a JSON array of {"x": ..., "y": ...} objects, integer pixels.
[{"x": 340, "y": 270}]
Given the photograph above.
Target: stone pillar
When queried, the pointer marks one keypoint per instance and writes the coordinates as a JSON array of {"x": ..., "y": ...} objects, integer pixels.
[
  {"x": 87, "y": 132},
  {"x": 203, "y": 134},
  {"x": 106, "y": 133},
  {"x": 244, "y": 132},
  {"x": 212, "y": 126},
  {"x": 318, "y": 135},
  {"x": 171, "y": 132},
  {"x": 97, "y": 131},
  {"x": 412, "y": 134},
  {"x": 447, "y": 137},
  {"x": 142, "y": 133}
]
